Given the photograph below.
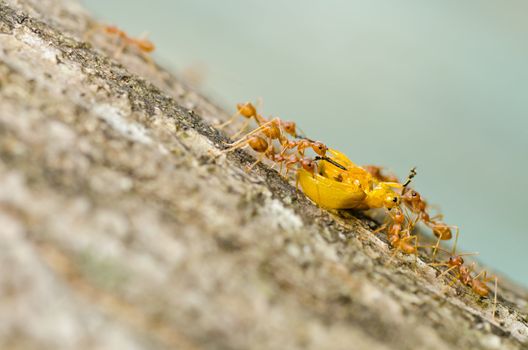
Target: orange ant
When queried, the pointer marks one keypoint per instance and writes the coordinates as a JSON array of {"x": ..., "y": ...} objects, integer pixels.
[
  {"x": 301, "y": 145},
  {"x": 398, "y": 237},
  {"x": 414, "y": 201},
  {"x": 462, "y": 273},
  {"x": 143, "y": 45},
  {"x": 271, "y": 129},
  {"x": 257, "y": 141},
  {"x": 249, "y": 111},
  {"x": 259, "y": 145}
]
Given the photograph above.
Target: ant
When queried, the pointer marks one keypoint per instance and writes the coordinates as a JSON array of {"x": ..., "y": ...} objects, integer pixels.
[
  {"x": 142, "y": 44},
  {"x": 301, "y": 145},
  {"x": 257, "y": 141},
  {"x": 414, "y": 201},
  {"x": 249, "y": 111},
  {"x": 398, "y": 237},
  {"x": 462, "y": 273},
  {"x": 258, "y": 144},
  {"x": 271, "y": 130}
]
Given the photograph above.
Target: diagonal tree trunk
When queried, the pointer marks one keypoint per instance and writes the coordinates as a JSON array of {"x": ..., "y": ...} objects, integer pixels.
[{"x": 123, "y": 227}]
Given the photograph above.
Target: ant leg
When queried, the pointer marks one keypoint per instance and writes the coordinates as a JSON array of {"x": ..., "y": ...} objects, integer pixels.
[
  {"x": 379, "y": 229},
  {"x": 392, "y": 256},
  {"x": 415, "y": 254},
  {"x": 261, "y": 156},
  {"x": 288, "y": 168},
  {"x": 235, "y": 147},
  {"x": 297, "y": 181},
  {"x": 242, "y": 128},
  {"x": 436, "y": 246},
  {"x": 253, "y": 132},
  {"x": 148, "y": 59},
  {"x": 227, "y": 122},
  {"x": 456, "y": 240},
  {"x": 234, "y": 117},
  {"x": 450, "y": 284},
  {"x": 258, "y": 106},
  {"x": 280, "y": 168},
  {"x": 120, "y": 50},
  {"x": 92, "y": 28},
  {"x": 446, "y": 271},
  {"x": 437, "y": 217},
  {"x": 438, "y": 264},
  {"x": 494, "y": 300},
  {"x": 143, "y": 37},
  {"x": 483, "y": 273}
]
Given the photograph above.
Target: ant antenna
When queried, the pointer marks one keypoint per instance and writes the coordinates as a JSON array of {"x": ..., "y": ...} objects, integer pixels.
[
  {"x": 303, "y": 137},
  {"x": 331, "y": 161},
  {"x": 412, "y": 174}
]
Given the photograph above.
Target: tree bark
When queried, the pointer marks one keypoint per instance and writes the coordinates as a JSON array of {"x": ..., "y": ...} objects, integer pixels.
[{"x": 122, "y": 226}]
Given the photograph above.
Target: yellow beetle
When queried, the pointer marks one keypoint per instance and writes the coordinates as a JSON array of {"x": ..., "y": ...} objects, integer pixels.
[{"x": 354, "y": 188}]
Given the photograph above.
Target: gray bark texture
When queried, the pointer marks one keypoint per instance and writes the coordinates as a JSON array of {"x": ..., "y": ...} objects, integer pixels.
[{"x": 122, "y": 226}]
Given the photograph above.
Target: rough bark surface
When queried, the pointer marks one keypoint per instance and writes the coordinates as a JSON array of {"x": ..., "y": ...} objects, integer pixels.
[{"x": 122, "y": 226}]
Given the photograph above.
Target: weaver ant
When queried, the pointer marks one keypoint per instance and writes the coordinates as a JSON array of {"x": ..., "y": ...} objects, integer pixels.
[
  {"x": 414, "y": 201},
  {"x": 249, "y": 112},
  {"x": 397, "y": 236},
  {"x": 462, "y": 273},
  {"x": 142, "y": 44}
]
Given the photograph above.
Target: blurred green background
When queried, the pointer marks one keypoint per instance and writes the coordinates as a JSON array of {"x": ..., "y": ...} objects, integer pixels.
[{"x": 441, "y": 85}]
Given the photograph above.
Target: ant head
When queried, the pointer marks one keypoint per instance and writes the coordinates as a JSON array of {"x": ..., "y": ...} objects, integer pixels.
[
  {"x": 411, "y": 196},
  {"x": 246, "y": 109},
  {"x": 308, "y": 165},
  {"x": 319, "y": 148},
  {"x": 146, "y": 45},
  {"x": 456, "y": 261},
  {"x": 112, "y": 30},
  {"x": 290, "y": 128}
]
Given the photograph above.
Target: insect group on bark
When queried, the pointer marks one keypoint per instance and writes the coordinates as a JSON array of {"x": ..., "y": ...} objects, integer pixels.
[{"x": 333, "y": 181}]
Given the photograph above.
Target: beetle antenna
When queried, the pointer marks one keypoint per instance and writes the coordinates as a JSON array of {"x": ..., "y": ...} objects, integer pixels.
[
  {"x": 412, "y": 174},
  {"x": 331, "y": 161}
]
